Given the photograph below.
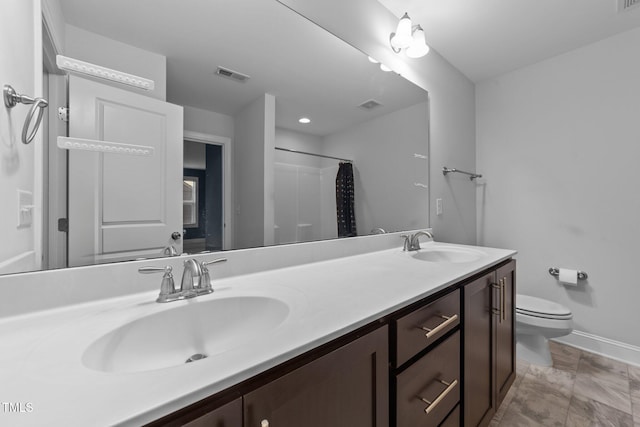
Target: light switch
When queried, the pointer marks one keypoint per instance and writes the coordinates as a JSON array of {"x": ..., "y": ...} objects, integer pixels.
[
  {"x": 438, "y": 206},
  {"x": 25, "y": 208}
]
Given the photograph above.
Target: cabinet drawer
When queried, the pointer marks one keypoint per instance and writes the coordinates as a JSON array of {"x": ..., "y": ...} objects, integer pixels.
[
  {"x": 422, "y": 327},
  {"x": 453, "y": 420},
  {"x": 434, "y": 378}
]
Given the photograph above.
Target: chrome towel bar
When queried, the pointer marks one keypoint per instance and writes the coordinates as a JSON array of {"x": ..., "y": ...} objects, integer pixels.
[{"x": 446, "y": 170}]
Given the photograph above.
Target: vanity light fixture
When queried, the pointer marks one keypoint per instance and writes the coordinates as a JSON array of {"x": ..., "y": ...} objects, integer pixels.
[
  {"x": 410, "y": 38},
  {"x": 81, "y": 67},
  {"x": 382, "y": 66},
  {"x": 304, "y": 120}
]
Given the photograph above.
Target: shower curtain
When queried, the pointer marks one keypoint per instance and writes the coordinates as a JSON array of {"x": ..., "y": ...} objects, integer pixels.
[{"x": 345, "y": 201}]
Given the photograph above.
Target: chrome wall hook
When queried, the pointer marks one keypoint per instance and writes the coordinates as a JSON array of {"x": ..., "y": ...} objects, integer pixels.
[{"x": 13, "y": 98}]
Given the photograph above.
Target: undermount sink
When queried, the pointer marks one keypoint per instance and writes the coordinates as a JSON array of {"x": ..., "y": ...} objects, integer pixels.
[
  {"x": 447, "y": 254},
  {"x": 191, "y": 332}
]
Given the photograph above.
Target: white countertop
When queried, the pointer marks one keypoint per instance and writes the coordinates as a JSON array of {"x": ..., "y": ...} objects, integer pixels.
[{"x": 41, "y": 354}]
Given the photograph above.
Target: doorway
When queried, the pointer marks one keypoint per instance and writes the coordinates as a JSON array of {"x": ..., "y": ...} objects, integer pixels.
[{"x": 206, "y": 193}]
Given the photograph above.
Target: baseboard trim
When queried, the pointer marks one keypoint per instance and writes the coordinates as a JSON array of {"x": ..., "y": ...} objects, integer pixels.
[{"x": 617, "y": 350}]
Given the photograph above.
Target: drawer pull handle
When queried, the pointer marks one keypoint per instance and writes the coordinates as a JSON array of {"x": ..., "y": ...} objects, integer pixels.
[
  {"x": 432, "y": 405},
  {"x": 447, "y": 321}
]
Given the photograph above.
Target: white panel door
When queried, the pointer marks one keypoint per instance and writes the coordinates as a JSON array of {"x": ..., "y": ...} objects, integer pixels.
[{"x": 123, "y": 206}]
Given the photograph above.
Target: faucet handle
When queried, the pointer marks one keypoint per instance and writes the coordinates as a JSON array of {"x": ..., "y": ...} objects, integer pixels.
[
  {"x": 205, "y": 279},
  {"x": 204, "y": 264},
  {"x": 167, "y": 287}
]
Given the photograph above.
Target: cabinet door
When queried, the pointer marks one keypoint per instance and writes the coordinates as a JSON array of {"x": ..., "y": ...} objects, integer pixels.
[
  {"x": 345, "y": 388},
  {"x": 479, "y": 401},
  {"x": 505, "y": 353},
  {"x": 453, "y": 420},
  {"x": 229, "y": 415}
]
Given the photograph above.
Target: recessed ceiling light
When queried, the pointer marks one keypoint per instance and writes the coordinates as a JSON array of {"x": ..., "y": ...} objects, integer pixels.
[
  {"x": 304, "y": 120},
  {"x": 384, "y": 68},
  {"x": 375, "y": 61}
]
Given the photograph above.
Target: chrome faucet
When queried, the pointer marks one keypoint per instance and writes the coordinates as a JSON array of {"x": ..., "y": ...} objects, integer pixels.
[
  {"x": 195, "y": 280},
  {"x": 412, "y": 242},
  {"x": 190, "y": 277},
  {"x": 378, "y": 231},
  {"x": 170, "y": 251}
]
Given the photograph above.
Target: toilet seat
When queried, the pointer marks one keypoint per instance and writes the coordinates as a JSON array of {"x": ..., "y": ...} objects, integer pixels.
[{"x": 536, "y": 307}]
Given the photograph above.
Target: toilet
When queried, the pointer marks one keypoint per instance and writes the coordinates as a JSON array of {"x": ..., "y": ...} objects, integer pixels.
[{"x": 537, "y": 320}]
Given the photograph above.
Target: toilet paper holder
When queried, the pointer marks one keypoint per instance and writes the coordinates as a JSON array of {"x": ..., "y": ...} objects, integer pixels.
[{"x": 554, "y": 271}]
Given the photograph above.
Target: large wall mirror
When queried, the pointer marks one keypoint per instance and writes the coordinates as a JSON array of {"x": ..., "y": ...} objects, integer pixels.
[{"x": 245, "y": 73}]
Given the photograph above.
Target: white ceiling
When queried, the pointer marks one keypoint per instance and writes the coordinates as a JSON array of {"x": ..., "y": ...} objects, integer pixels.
[
  {"x": 311, "y": 72},
  {"x": 486, "y": 38}
]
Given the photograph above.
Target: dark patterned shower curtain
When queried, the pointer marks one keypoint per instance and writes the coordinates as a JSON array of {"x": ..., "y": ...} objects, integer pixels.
[{"x": 345, "y": 201}]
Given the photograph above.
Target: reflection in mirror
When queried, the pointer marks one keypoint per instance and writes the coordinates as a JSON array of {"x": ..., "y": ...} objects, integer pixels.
[{"x": 244, "y": 73}]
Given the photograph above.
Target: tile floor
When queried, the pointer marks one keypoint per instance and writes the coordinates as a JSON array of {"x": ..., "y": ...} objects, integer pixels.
[{"x": 581, "y": 389}]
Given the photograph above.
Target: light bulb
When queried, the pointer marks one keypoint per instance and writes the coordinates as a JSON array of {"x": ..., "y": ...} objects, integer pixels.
[
  {"x": 402, "y": 38},
  {"x": 418, "y": 47}
]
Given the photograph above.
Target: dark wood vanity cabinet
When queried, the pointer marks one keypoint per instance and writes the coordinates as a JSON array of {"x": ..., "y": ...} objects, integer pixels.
[
  {"x": 345, "y": 388},
  {"x": 426, "y": 367},
  {"x": 228, "y": 415},
  {"x": 489, "y": 343},
  {"x": 346, "y": 385},
  {"x": 445, "y": 361}
]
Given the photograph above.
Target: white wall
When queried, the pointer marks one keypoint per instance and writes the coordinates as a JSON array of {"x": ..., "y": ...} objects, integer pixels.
[
  {"x": 208, "y": 122},
  {"x": 559, "y": 144},
  {"x": 286, "y": 138},
  {"x": 195, "y": 155},
  {"x": 366, "y": 25},
  {"x": 20, "y": 164},
  {"x": 54, "y": 22},
  {"x": 253, "y": 173},
  {"x": 94, "y": 48},
  {"x": 384, "y": 171}
]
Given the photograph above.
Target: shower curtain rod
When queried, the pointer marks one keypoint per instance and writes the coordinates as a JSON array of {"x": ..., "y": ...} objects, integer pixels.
[{"x": 313, "y": 154}]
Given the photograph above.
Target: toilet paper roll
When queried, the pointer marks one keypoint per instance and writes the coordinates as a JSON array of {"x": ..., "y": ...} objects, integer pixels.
[{"x": 568, "y": 277}]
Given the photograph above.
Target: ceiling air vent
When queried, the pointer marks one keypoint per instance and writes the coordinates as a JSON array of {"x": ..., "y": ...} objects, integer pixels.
[
  {"x": 233, "y": 75},
  {"x": 627, "y": 5},
  {"x": 370, "y": 104}
]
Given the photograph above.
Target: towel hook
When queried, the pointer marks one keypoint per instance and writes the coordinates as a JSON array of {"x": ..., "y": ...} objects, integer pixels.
[{"x": 13, "y": 98}]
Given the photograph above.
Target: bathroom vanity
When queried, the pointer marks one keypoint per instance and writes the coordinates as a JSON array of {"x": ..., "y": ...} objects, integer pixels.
[
  {"x": 418, "y": 366},
  {"x": 375, "y": 337}
]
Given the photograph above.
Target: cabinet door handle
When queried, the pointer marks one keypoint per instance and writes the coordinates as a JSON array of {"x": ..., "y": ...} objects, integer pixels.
[
  {"x": 498, "y": 311},
  {"x": 504, "y": 299},
  {"x": 432, "y": 405},
  {"x": 447, "y": 321}
]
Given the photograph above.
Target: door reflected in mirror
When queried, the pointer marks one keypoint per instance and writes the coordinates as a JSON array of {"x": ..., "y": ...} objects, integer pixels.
[{"x": 376, "y": 120}]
